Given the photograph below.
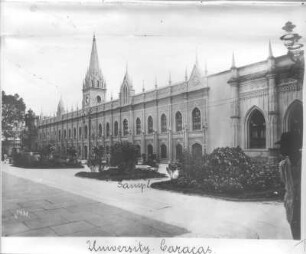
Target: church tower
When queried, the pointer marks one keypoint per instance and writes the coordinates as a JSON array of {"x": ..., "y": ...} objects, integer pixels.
[{"x": 94, "y": 86}]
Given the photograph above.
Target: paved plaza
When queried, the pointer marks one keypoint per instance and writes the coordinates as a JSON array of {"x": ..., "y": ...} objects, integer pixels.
[{"x": 53, "y": 202}]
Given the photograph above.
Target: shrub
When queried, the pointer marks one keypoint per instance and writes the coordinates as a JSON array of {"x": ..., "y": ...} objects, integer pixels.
[
  {"x": 228, "y": 170},
  {"x": 124, "y": 155}
]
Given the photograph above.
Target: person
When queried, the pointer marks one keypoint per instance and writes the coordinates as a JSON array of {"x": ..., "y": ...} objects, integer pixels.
[{"x": 290, "y": 173}]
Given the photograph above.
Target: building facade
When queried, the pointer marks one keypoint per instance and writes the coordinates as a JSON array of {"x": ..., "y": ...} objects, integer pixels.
[{"x": 249, "y": 106}]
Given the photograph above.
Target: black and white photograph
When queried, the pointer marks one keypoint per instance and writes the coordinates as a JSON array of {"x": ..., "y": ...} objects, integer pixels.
[{"x": 152, "y": 120}]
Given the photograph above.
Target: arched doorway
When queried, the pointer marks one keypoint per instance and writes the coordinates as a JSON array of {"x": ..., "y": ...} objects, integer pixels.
[
  {"x": 196, "y": 151},
  {"x": 178, "y": 151},
  {"x": 85, "y": 152},
  {"x": 150, "y": 151},
  {"x": 294, "y": 118},
  {"x": 256, "y": 130},
  {"x": 138, "y": 150},
  {"x": 163, "y": 151}
]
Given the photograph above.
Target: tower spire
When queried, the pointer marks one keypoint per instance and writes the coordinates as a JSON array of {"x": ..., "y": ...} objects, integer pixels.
[
  {"x": 233, "y": 61},
  {"x": 170, "y": 78},
  {"x": 155, "y": 82},
  {"x": 143, "y": 87},
  {"x": 270, "y": 49},
  {"x": 94, "y": 60},
  {"x": 206, "y": 72},
  {"x": 60, "y": 107},
  {"x": 186, "y": 74}
]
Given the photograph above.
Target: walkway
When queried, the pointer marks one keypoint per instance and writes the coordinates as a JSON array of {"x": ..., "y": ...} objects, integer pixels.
[{"x": 182, "y": 215}]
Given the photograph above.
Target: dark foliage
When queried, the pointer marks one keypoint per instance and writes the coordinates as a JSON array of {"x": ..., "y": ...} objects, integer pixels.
[
  {"x": 228, "y": 171},
  {"x": 115, "y": 174},
  {"x": 13, "y": 111},
  {"x": 124, "y": 156}
]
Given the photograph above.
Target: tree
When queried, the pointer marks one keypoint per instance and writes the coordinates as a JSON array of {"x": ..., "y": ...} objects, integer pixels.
[
  {"x": 124, "y": 155},
  {"x": 13, "y": 111},
  {"x": 96, "y": 157},
  {"x": 30, "y": 132}
]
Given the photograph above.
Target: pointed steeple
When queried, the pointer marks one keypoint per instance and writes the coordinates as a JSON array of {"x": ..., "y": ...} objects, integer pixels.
[
  {"x": 233, "y": 62},
  {"x": 143, "y": 88},
  {"x": 155, "y": 82},
  {"x": 127, "y": 76},
  {"x": 270, "y": 50},
  {"x": 94, "y": 60},
  {"x": 94, "y": 77},
  {"x": 196, "y": 58},
  {"x": 205, "y": 71},
  {"x": 196, "y": 72},
  {"x": 60, "y": 107},
  {"x": 170, "y": 78},
  {"x": 186, "y": 75}
]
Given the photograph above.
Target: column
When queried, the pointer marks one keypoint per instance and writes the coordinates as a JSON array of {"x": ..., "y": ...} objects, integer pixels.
[
  {"x": 235, "y": 113},
  {"x": 272, "y": 115}
]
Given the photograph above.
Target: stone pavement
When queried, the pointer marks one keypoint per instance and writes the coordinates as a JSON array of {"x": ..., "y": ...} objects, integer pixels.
[
  {"x": 200, "y": 216},
  {"x": 33, "y": 209}
]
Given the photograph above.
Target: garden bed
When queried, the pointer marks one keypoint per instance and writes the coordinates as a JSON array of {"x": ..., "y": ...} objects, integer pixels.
[
  {"x": 48, "y": 165},
  {"x": 115, "y": 174},
  {"x": 266, "y": 195}
]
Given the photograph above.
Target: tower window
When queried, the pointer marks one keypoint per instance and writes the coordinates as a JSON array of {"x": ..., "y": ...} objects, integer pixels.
[{"x": 98, "y": 99}]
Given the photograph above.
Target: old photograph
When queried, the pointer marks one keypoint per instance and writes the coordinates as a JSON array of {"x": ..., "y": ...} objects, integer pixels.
[{"x": 152, "y": 120}]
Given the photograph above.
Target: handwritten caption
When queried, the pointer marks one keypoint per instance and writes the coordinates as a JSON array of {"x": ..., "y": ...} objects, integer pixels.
[
  {"x": 93, "y": 246},
  {"x": 128, "y": 186}
]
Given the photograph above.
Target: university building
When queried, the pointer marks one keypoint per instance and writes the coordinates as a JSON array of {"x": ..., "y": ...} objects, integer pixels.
[{"x": 248, "y": 106}]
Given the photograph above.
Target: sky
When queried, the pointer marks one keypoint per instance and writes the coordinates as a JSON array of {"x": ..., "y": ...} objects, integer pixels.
[{"x": 46, "y": 46}]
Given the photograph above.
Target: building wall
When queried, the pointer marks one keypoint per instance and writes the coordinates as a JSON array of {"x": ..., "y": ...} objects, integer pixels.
[{"x": 212, "y": 95}]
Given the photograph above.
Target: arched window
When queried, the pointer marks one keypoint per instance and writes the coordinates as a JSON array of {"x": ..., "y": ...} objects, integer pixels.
[
  {"x": 100, "y": 130},
  {"x": 74, "y": 133},
  {"x": 59, "y": 135},
  {"x": 150, "y": 124},
  {"x": 69, "y": 133},
  {"x": 294, "y": 118},
  {"x": 163, "y": 123},
  {"x": 80, "y": 132},
  {"x": 116, "y": 129},
  {"x": 98, "y": 98},
  {"x": 138, "y": 126},
  {"x": 178, "y": 121},
  {"x": 125, "y": 127},
  {"x": 65, "y": 133},
  {"x": 179, "y": 151},
  {"x": 196, "y": 119},
  {"x": 85, "y": 131},
  {"x": 257, "y": 130},
  {"x": 163, "y": 151},
  {"x": 107, "y": 130}
]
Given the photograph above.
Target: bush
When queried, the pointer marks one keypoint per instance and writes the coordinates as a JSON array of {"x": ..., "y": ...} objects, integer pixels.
[
  {"x": 124, "y": 155},
  {"x": 228, "y": 170}
]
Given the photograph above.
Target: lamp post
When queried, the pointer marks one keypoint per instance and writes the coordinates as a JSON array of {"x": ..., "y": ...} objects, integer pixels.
[{"x": 291, "y": 42}]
